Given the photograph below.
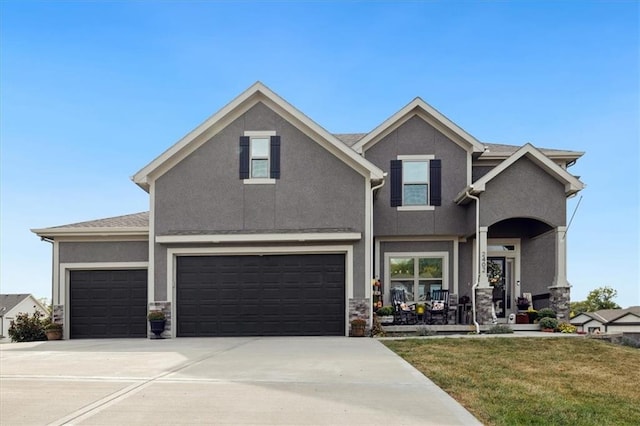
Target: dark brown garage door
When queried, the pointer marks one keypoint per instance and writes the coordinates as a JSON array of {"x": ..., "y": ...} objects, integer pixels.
[
  {"x": 275, "y": 295},
  {"x": 108, "y": 303}
]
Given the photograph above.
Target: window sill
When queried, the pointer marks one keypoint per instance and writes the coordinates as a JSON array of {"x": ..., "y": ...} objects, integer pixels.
[
  {"x": 415, "y": 208},
  {"x": 261, "y": 181}
]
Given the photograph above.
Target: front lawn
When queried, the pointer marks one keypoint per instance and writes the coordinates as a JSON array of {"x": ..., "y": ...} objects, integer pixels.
[{"x": 533, "y": 381}]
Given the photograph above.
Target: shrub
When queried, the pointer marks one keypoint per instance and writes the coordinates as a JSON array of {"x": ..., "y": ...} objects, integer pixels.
[
  {"x": 565, "y": 327},
  {"x": 385, "y": 311},
  {"x": 546, "y": 313},
  {"x": 500, "y": 329},
  {"x": 548, "y": 322},
  {"x": 422, "y": 330},
  {"x": 27, "y": 328},
  {"x": 156, "y": 316}
]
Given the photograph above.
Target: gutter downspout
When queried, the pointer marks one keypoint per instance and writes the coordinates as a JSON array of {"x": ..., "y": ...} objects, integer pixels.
[
  {"x": 372, "y": 239},
  {"x": 477, "y": 260}
]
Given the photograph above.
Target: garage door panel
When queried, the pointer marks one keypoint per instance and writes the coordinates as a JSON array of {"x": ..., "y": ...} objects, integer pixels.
[
  {"x": 261, "y": 295},
  {"x": 108, "y": 303}
]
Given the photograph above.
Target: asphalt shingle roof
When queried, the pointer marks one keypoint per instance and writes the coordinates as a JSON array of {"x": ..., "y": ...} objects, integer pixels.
[
  {"x": 9, "y": 301},
  {"x": 135, "y": 220}
]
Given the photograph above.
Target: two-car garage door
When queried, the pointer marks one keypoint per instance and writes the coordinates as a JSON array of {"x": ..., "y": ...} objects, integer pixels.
[{"x": 266, "y": 295}]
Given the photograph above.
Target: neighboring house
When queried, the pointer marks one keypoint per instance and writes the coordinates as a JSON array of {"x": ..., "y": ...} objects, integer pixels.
[
  {"x": 263, "y": 223},
  {"x": 13, "y": 304},
  {"x": 609, "y": 321}
]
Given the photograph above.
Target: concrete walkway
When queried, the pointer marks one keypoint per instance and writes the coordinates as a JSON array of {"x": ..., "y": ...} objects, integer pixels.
[{"x": 217, "y": 381}]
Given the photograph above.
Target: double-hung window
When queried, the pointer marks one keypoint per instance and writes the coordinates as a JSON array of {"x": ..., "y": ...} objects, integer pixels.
[
  {"x": 259, "y": 157},
  {"x": 419, "y": 274},
  {"x": 416, "y": 182}
]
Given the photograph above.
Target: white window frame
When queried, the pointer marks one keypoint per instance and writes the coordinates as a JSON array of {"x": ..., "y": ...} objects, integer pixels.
[
  {"x": 444, "y": 255},
  {"x": 259, "y": 134},
  {"x": 416, "y": 158}
]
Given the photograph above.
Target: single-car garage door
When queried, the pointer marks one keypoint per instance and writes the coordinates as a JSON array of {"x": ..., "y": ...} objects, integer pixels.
[
  {"x": 271, "y": 295},
  {"x": 108, "y": 303}
]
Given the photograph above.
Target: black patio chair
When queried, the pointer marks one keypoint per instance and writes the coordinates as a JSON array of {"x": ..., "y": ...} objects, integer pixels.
[
  {"x": 439, "y": 307},
  {"x": 401, "y": 313}
]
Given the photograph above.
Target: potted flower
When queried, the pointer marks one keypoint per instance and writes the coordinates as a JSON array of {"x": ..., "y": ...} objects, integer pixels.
[
  {"x": 157, "y": 321},
  {"x": 385, "y": 315},
  {"x": 357, "y": 327},
  {"x": 522, "y": 303},
  {"x": 53, "y": 330},
  {"x": 548, "y": 324}
]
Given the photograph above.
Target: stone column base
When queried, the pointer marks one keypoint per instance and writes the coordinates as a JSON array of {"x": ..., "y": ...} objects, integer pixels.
[
  {"x": 360, "y": 308},
  {"x": 484, "y": 302},
  {"x": 559, "y": 301}
]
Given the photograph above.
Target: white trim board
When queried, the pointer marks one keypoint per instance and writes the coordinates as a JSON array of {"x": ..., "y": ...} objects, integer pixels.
[{"x": 260, "y": 238}]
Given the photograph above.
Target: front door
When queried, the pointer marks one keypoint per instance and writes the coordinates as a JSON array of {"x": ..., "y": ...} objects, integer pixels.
[{"x": 501, "y": 277}]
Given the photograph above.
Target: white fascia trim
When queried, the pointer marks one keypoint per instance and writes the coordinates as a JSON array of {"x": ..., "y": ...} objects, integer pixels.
[
  {"x": 415, "y": 157},
  {"x": 571, "y": 183},
  {"x": 90, "y": 232},
  {"x": 254, "y": 133},
  {"x": 64, "y": 280},
  {"x": 102, "y": 238},
  {"x": 172, "y": 253},
  {"x": 418, "y": 238},
  {"x": 427, "y": 113},
  {"x": 262, "y": 238},
  {"x": 258, "y": 92}
]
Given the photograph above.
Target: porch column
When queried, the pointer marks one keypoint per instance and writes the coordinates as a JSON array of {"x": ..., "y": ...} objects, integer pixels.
[
  {"x": 484, "y": 281},
  {"x": 560, "y": 292},
  {"x": 560, "y": 277}
]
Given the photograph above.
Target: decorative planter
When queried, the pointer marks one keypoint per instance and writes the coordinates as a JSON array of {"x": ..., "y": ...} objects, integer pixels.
[
  {"x": 548, "y": 330},
  {"x": 53, "y": 334},
  {"x": 357, "y": 327},
  {"x": 157, "y": 327},
  {"x": 386, "y": 319},
  {"x": 523, "y": 307}
]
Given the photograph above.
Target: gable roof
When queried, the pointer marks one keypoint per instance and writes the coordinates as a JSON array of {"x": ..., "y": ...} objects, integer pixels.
[
  {"x": 130, "y": 224},
  {"x": 607, "y": 316},
  {"x": 258, "y": 92},
  {"x": 499, "y": 151},
  {"x": 571, "y": 183},
  {"x": 10, "y": 301},
  {"x": 420, "y": 108}
]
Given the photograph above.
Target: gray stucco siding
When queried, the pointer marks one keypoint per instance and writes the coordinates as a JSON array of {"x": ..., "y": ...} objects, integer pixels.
[
  {"x": 204, "y": 193},
  {"x": 417, "y": 137},
  {"x": 523, "y": 190},
  {"x": 112, "y": 251},
  {"x": 538, "y": 263}
]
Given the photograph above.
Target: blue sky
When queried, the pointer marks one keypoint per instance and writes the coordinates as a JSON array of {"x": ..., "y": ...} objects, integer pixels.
[{"x": 90, "y": 92}]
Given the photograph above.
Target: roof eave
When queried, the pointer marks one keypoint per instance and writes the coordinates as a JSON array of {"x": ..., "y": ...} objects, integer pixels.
[{"x": 92, "y": 232}]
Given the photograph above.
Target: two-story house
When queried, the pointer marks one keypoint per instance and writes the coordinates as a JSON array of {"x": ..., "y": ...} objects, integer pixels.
[{"x": 261, "y": 222}]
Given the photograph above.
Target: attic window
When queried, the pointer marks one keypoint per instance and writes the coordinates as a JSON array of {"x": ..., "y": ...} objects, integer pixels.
[
  {"x": 416, "y": 182},
  {"x": 259, "y": 157}
]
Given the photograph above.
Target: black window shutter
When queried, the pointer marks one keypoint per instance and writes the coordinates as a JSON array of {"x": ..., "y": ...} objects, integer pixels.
[
  {"x": 396, "y": 183},
  {"x": 435, "y": 179},
  {"x": 244, "y": 157},
  {"x": 275, "y": 157}
]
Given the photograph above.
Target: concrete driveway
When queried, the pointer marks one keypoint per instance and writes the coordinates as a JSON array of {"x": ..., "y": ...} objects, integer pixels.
[{"x": 216, "y": 381}]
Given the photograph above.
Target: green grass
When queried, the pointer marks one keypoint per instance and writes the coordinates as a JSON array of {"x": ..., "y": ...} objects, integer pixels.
[{"x": 533, "y": 381}]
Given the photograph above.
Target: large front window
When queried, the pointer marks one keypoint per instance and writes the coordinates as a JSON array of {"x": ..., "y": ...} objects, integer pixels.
[{"x": 418, "y": 275}]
